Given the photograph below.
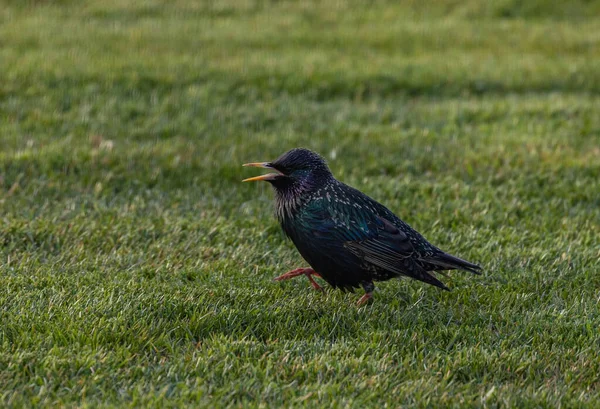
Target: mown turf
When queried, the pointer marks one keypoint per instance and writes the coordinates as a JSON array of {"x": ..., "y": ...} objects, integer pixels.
[{"x": 136, "y": 268}]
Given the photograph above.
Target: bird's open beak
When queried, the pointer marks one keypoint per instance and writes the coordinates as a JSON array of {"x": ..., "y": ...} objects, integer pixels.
[{"x": 268, "y": 176}]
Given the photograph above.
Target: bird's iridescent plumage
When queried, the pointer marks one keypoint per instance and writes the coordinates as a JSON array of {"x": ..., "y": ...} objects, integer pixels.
[{"x": 349, "y": 239}]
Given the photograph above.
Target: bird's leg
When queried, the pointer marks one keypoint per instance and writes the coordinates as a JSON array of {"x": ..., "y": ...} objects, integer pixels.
[
  {"x": 369, "y": 288},
  {"x": 308, "y": 272}
]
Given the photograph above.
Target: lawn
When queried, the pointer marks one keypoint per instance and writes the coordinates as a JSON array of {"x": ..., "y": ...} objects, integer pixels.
[{"x": 136, "y": 268}]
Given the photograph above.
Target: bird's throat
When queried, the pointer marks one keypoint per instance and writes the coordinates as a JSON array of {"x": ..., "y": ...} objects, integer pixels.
[{"x": 289, "y": 199}]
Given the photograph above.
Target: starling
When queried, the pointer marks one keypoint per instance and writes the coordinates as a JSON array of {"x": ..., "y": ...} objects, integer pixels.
[{"x": 347, "y": 238}]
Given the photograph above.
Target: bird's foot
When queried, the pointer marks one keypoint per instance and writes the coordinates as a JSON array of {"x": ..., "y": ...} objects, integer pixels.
[
  {"x": 308, "y": 272},
  {"x": 364, "y": 299},
  {"x": 369, "y": 288}
]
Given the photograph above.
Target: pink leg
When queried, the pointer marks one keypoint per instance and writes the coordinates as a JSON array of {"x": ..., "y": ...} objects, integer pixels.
[
  {"x": 308, "y": 272},
  {"x": 364, "y": 299}
]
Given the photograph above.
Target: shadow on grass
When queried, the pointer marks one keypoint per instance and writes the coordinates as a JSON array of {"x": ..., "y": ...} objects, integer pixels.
[{"x": 328, "y": 316}]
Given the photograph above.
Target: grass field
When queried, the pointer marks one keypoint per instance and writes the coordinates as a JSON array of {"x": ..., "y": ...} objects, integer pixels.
[{"x": 136, "y": 269}]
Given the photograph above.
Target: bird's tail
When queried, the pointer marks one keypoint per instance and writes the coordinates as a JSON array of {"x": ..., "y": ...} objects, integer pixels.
[{"x": 449, "y": 262}]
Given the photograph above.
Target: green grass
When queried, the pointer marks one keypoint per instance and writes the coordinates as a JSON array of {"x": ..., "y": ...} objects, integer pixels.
[{"x": 136, "y": 268}]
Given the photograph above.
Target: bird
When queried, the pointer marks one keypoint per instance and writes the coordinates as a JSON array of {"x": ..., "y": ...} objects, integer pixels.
[{"x": 348, "y": 239}]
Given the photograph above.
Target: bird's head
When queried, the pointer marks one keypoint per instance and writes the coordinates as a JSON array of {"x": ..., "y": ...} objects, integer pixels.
[{"x": 295, "y": 170}]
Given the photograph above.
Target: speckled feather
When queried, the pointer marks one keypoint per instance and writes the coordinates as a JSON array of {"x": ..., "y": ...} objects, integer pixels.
[{"x": 347, "y": 237}]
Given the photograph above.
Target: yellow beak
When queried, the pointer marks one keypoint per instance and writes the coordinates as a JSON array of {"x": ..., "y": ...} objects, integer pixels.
[{"x": 268, "y": 176}]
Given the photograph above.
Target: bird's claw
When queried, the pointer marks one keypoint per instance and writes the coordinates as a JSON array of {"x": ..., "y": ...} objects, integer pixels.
[
  {"x": 308, "y": 272},
  {"x": 364, "y": 299},
  {"x": 314, "y": 284}
]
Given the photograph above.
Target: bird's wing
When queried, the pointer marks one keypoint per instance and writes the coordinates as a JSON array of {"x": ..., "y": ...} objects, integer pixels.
[
  {"x": 391, "y": 249},
  {"x": 372, "y": 238}
]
